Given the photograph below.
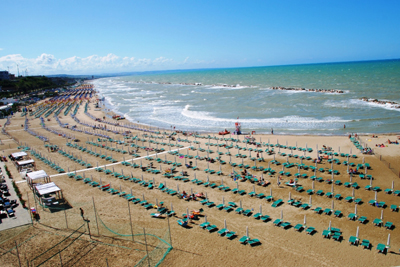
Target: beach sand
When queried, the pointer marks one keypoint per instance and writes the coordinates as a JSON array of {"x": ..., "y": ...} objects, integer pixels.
[{"x": 197, "y": 247}]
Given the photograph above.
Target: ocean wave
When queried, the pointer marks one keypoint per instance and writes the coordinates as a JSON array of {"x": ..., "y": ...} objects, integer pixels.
[
  {"x": 202, "y": 115},
  {"x": 354, "y": 103}
]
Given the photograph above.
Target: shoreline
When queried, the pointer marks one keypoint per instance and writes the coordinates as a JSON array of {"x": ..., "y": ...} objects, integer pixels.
[{"x": 109, "y": 108}]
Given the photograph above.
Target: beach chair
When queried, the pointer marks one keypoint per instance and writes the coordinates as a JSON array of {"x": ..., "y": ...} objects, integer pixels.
[
  {"x": 337, "y": 236},
  {"x": 349, "y": 199},
  {"x": 381, "y": 248},
  {"x": 260, "y": 196},
  {"x": 378, "y": 222},
  {"x": 389, "y": 225},
  {"x": 337, "y": 213},
  {"x": 358, "y": 201},
  {"x": 239, "y": 210},
  {"x": 394, "y": 208},
  {"x": 353, "y": 240},
  {"x": 327, "y": 211},
  {"x": 329, "y": 194},
  {"x": 211, "y": 228},
  {"x": 220, "y": 206},
  {"x": 247, "y": 212},
  {"x": 326, "y": 234},
  {"x": 204, "y": 225},
  {"x": 299, "y": 189},
  {"x": 230, "y": 234},
  {"x": 257, "y": 216},
  {"x": 285, "y": 225},
  {"x": 362, "y": 219},
  {"x": 366, "y": 244},
  {"x": 243, "y": 240},
  {"x": 310, "y": 191},
  {"x": 183, "y": 223},
  {"x": 299, "y": 227},
  {"x": 223, "y": 231},
  {"x": 310, "y": 230},
  {"x": 265, "y": 218},
  {"x": 277, "y": 203},
  {"x": 277, "y": 222}
]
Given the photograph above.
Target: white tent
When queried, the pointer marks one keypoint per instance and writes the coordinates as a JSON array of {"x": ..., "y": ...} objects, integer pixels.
[
  {"x": 30, "y": 176},
  {"x": 25, "y": 162},
  {"x": 47, "y": 188},
  {"x": 18, "y": 154}
]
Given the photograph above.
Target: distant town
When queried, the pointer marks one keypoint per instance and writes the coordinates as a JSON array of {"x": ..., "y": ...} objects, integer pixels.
[{"x": 17, "y": 92}]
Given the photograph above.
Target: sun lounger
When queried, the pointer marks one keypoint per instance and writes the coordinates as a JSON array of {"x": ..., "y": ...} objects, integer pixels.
[
  {"x": 257, "y": 216},
  {"x": 362, "y": 219},
  {"x": 327, "y": 211},
  {"x": 211, "y": 228},
  {"x": 223, "y": 231},
  {"x": 204, "y": 225},
  {"x": 298, "y": 227},
  {"x": 277, "y": 222},
  {"x": 337, "y": 236},
  {"x": 349, "y": 199},
  {"x": 182, "y": 223},
  {"x": 337, "y": 213},
  {"x": 310, "y": 230},
  {"x": 247, "y": 212},
  {"x": 326, "y": 234},
  {"x": 377, "y": 222},
  {"x": 220, "y": 206},
  {"x": 243, "y": 240},
  {"x": 239, "y": 210},
  {"x": 277, "y": 203},
  {"x": 389, "y": 225},
  {"x": 381, "y": 248},
  {"x": 253, "y": 242},
  {"x": 338, "y": 196},
  {"x": 210, "y": 204},
  {"x": 353, "y": 240},
  {"x": 366, "y": 244},
  {"x": 265, "y": 218},
  {"x": 230, "y": 234},
  {"x": 394, "y": 207},
  {"x": 284, "y": 225}
]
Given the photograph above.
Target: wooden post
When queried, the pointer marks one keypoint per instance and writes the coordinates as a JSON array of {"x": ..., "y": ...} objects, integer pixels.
[
  {"x": 95, "y": 215},
  {"x": 169, "y": 229},
  {"x": 130, "y": 220},
  {"x": 66, "y": 221},
  {"x": 145, "y": 241}
]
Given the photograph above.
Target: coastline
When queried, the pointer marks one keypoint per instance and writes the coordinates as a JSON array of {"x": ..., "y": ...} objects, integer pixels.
[
  {"x": 110, "y": 110},
  {"x": 298, "y": 247}
]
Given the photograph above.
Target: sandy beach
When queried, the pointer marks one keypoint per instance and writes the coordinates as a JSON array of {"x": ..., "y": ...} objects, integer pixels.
[{"x": 194, "y": 246}]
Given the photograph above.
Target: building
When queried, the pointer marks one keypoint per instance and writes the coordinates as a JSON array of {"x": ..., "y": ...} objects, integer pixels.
[{"x": 4, "y": 75}]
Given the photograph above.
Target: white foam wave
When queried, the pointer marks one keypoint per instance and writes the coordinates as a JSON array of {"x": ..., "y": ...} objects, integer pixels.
[{"x": 202, "y": 115}]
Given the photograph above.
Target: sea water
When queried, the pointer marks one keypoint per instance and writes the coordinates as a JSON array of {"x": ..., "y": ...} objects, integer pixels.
[{"x": 244, "y": 95}]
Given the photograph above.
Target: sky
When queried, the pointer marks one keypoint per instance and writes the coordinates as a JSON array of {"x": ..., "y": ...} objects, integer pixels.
[{"x": 95, "y": 37}]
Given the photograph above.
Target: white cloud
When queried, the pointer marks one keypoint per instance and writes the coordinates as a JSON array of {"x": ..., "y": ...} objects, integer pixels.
[
  {"x": 1, "y": 48},
  {"x": 49, "y": 64}
]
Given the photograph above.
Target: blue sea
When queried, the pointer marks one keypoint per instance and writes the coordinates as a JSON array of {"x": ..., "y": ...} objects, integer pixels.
[{"x": 211, "y": 100}]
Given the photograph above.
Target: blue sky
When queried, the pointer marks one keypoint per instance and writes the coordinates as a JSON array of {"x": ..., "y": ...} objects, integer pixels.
[{"x": 84, "y": 37}]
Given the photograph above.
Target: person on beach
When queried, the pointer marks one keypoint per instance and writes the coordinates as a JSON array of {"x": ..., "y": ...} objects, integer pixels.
[
  {"x": 82, "y": 212},
  {"x": 272, "y": 131}
]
